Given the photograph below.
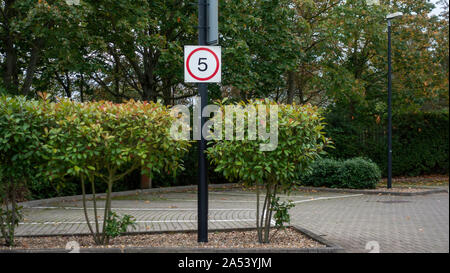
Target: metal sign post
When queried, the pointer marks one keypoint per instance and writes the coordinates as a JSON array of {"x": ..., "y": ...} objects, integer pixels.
[
  {"x": 203, "y": 92},
  {"x": 207, "y": 34},
  {"x": 212, "y": 32}
]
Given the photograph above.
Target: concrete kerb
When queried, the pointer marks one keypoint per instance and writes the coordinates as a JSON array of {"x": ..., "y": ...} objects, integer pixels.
[
  {"x": 74, "y": 198},
  {"x": 330, "y": 247},
  {"x": 425, "y": 191},
  {"x": 43, "y": 202}
]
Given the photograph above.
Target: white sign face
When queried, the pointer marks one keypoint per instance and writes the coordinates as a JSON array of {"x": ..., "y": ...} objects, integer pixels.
[{"x": 202, "y": 64}]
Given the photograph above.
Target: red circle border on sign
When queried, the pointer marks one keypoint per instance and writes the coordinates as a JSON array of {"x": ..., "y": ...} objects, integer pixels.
[{"x": 189, "y": 70}]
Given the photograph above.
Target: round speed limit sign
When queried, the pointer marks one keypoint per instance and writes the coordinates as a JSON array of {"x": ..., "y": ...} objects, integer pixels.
[{"x": 202, "y": 64}]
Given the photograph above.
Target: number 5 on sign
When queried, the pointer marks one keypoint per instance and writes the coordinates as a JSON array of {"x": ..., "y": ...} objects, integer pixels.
[{"x": 202, "y": 64}]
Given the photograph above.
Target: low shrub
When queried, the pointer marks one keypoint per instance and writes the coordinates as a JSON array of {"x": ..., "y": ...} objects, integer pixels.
[
  {"x": 360, "y": 173},
  {"x": 105, "y": 142},
  {"x": 355, "y": 173},
  {"x": 323, "y": 173},
  {"x": 300, "y": 140}
]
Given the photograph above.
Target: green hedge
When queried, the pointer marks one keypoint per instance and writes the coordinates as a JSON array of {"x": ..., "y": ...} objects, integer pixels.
[
  {"x": 51, "y": 147},
  {"x": 355, "y": 173},
  {"x": 189, "y": 176},
  {"x": 420, "y": 142},
  {"x": 40, "y": 187}
]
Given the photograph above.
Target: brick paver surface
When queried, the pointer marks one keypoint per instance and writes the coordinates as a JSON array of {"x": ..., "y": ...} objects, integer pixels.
[
  {"x": 394, "y": 223},
  {"x": 397, "y": 224}
]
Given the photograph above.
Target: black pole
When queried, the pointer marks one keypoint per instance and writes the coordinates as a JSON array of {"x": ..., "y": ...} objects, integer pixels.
[
  {"x": 389, "y": 180},
  {"x": 202, "y": 180}
]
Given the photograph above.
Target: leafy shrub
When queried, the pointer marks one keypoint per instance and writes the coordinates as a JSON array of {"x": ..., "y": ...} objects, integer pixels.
[
  {"x": 44, "y": 144},
  {"x": 300, "y": 141},
  {"x": 281, "y": 215},
  {"x": 103, "y": 141},
  {"x": 21, "y": 130},
  {"x": 323, "y": 173},
  {"x": 116, "y": 226},
  {"x": 359, "y": 173},
  {"x": 355, "y": 173}
]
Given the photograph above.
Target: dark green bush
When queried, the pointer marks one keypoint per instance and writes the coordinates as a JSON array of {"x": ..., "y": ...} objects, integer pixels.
[
  {"x": 359, "y": 173},
  {"x": 420, "y": 141},
  {"x": 41, "y": 188},
  {"x": 188, "y": 176},
  {"x": 355, "y": 173},
  {"x": 323, "y": 174}
]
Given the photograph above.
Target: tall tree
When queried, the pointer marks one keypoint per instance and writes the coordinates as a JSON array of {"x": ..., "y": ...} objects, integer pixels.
[
  {"x": 140, "y": 46},
  {"x": 258, "y": 46},
  {"x": 313, "y": 30},
  {"x": 420, "y": 57},
  {"x": 28, "y": 31}
]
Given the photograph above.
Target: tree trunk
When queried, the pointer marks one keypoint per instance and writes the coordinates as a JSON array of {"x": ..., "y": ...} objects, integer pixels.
[
  {"x": 107, "y": 214},
  {"x": 81, "y": 87},
  {"x": 146, "y": 182},
  {"x": 107, "y": 211},
  {"x": 13, "y": 214},
  {"x": 86, "y": 216},
  {"x": 291, "y": 87},
  {"x": 270, "y": 195},
  {"x": 94, "y": 201},
  {"x": 258, "y": 228},
  {"x": 31, "y": 69},
  {"x": 11, "y": 74}
]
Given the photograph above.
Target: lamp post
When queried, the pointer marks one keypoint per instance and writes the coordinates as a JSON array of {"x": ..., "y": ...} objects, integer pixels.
[{"x": 390, "y": 17}]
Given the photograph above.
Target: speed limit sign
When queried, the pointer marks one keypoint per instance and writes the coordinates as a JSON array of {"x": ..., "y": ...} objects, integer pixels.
[{"x": 202, "y": 64}]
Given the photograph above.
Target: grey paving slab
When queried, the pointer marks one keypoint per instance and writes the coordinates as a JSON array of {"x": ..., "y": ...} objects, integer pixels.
[{"x": 395, "y": 223}]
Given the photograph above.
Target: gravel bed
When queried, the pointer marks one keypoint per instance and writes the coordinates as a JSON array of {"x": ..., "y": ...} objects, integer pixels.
[{"x": 289, "y": 238}]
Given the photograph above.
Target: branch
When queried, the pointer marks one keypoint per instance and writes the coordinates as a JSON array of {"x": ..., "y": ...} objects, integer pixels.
[
  {"x": 182, "y": 97},
  {"x": 106, "y": 87},
  {"x": 65, "y": 87},
  {"x": 132, "y": 168}
]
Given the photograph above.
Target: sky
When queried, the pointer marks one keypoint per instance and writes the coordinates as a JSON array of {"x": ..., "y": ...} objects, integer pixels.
[{"x": 438, "y": 8}]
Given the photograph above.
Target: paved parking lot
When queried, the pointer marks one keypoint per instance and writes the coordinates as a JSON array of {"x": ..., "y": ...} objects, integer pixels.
[{"x": 394, "y": 223}]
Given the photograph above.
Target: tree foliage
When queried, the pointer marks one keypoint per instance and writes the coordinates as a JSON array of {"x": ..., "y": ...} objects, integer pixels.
[{"x": 325, "y": 52}]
